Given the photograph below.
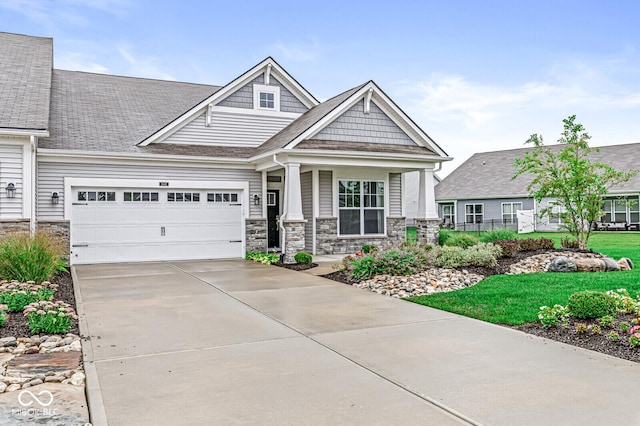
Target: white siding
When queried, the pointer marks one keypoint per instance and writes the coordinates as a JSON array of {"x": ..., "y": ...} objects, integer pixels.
[
  {"x": 229, "y": 129},
  {"x": 306, "y": 186},
  {"x": 325, "y": 183},
  {"x": 11, "y": 162},
  {"x": 395, "y": 194},
  {"x": 356, "y": 126},
  {"x": 51, "y": 179}
]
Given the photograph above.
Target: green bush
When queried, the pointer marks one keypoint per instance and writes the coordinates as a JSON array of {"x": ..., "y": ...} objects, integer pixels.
[
  {"x": 591, "y": 304},
  {"x": 264, "y": 258},
  {"x": 571, "y": 243},
  {"x": 460, "y": 239},
  {"x": 410, "y": 259},
  {"x": 17, "y": 295},
  {"x": 24, "y": 258},
  {"x": 443, "y": 235},
  {"x": 500, "y": 234},
  {"x": 368, "y": 248},
  {"x": 303, "y": 257},
  {"x": 50, "y": 317},
  {"x": 481, "y": 254},
  {"x": 531, "y": 244},
  {"x": 3, "y": 314}
]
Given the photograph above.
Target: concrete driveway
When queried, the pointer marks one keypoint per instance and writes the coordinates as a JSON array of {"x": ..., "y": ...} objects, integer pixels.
[{"x": 236, "y": 342}]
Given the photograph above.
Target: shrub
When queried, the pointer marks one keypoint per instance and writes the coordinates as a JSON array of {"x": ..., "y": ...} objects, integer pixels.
[
  {"x": 551, "y": 316},
  {"x": 360, "y": 266},
  {"x": 482, "y": 254},
  {"x": 591, "y": 304},
  {"x": 49, "y": 317},
  {"x": 408, "y": 260},
  {"x": 303, "y": 257},
  {"x": 368, "y": 248},
  {"x": 613, "y": 335},
  {"x": 24, "y": 258},
  {"x": 607, "y": 321},
  {"x": 264, "y": 258},
  {"x": 625, "y": 304},
  {"x": 624, "y": 326},
  {"x": 634, "y": 340},
  {"x": 509, "y": 247},
  {"x": 444, "y": 235},
  {"x": 571, "y": 243},
  {"x": 499, "y": 234},
  {"x": 3, "y": 314},
  {"x": 581, "y": 327},
  {"x": 460, "y": 239},
  {"x": 595, "y": 329},
  {"x": 531, "y": 244},
  {"x": 17, "y": 295}
]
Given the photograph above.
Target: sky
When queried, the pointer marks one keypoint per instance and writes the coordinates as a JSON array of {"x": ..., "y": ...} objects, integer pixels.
[{"x": 476, "y": 76}]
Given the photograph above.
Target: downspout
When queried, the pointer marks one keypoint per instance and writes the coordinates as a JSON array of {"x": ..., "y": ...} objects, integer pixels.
[
  {"x": 34, "y": 192},
  {"x": 284, "y": 209}
]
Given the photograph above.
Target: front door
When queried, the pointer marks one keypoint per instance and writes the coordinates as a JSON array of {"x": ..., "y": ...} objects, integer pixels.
[{"x": 273, "y": 218}]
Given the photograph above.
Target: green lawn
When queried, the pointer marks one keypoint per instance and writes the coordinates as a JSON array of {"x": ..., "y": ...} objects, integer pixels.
[{"x": 516, "y": 299}]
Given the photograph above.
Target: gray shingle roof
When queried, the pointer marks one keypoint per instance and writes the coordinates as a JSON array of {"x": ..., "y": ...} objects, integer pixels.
[
  {"x": 488, "y": 174},
  {"x": 366, "y": 147},
  {"x": 306, "y": 120},
  {"x": 98, "y": 112},
  {"x": 25, "y": 81}
]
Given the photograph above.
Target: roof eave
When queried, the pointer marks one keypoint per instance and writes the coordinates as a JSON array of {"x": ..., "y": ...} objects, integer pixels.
[{"x": 138, "y": 156}]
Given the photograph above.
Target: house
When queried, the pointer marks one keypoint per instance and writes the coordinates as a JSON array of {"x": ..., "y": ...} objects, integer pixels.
[
  {"x": 481, "y": 194},
  {"x": 133, "y": 169}
]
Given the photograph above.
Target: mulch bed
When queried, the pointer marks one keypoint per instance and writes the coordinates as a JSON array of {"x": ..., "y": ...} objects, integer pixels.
[
  {"x": 16, "y": 324},
  {"x": 296, "y": 266},
  {"x": 599, "y": 343}
]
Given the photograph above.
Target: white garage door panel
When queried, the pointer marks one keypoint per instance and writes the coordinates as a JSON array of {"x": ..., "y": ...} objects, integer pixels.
[{"x": 120, "y": 231}]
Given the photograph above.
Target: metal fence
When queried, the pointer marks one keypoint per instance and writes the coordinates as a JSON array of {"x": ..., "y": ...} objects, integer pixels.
[{"x": 486, "y": 225}]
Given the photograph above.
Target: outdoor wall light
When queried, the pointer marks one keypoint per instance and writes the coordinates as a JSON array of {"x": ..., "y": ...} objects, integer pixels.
[
  {"x": 256, "y": 199},
  {"x": 11, "y": 190},
  {"x": 55, "y": 198}
]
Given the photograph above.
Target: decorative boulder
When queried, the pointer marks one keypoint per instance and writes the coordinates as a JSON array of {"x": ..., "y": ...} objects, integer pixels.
[
  {"x": 625, "y": 264},
  {"x": 611, "y": 264},
  {"x": 590, "y": 265},
  {"x": 562, "y": 264}
]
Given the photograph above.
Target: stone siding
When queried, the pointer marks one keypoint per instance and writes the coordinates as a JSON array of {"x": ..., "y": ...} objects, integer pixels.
[
  {"x": 427, "y": 230},
  {"x": 328, "y": 241},
  {"x": 12, "y": 226},
  {"x": 256, "y": 235},
  {"x": 294, "y": 239},
  {"x": 59, "y": 228}
]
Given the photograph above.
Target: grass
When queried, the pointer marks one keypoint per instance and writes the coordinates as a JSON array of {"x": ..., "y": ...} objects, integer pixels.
[
  {"x": 516, "y": 299},
  {"x": 412, "y": 234}
]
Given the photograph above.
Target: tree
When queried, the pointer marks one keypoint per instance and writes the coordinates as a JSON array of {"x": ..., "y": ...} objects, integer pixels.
[{"x": 566, "y": 173}]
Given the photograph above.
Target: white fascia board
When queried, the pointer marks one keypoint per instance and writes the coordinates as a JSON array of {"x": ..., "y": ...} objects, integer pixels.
[
  {"x": 231, "y": 87},
  {"x": 56, "y": 155},
  {"x": 24, "y": 132},
  {"x": 348, "y": 154}
]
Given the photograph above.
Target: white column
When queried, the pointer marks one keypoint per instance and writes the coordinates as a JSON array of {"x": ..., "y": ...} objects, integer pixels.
[
  {"x": 426, "y": 196},
  {"x": 293, "y": 192}
]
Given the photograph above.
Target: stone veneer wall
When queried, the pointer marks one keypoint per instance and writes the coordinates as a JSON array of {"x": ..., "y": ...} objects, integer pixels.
[
  {"x": 427, "y": 230},
  {"x": 294, "y": 239},
  {"x": 59, "y": 228},
  {"x": 12, "y": 226},
  {"x": 328, "y": 242},
  {"x": 256, "y": 235}
]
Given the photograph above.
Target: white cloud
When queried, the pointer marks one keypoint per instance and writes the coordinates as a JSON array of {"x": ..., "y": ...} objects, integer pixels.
[
  {"x": 51, "y": 14},
  {"x": 142, "y": 65},
  {"x": 299, "y": 52},
  {"x": 79, "y": 61}
]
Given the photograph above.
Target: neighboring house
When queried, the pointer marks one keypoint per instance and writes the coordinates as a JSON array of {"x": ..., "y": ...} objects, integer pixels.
[
  {"x": 481, "y": 194},
  {"x": 132, "y": 169}
]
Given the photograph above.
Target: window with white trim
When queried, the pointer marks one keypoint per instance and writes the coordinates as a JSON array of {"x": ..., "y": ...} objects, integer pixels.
[
  {"x": 555, "y": 211},
  {"x": 361, "y": 207},
  {"x": 100, "y": 196},
  {"x": 448, "y": 214},
  {"x": 180, "y": 197},
  {"x": 141, "y": 196},
  {"x": 509, "y": 212},
  {"x": 222, "y": 197},
  {"x": 473, "y": 213},
  {"x": 266, "y": 97}
]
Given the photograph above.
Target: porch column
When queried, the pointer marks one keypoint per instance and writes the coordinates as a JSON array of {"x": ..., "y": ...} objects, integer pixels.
[
  {"x": 426, "y": 196},
  {"x": 293, "y": 193}
]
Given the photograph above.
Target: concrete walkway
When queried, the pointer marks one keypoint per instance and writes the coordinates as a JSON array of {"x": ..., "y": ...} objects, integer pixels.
[{"x": 236, "y": 342}]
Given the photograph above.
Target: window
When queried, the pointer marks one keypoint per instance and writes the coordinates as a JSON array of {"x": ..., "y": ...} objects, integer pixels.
[
  {"x": 222, "y": 197},
  {"x": 102, "y": 196},
  {"x": 266, "y": 97},
  {"x": 621, "y": 210},
  {"x": 554, "y": 213},
  {"x": 271, "y": 198},
  {"x": 473, "y": 213},
  {"x": 135, "y": 196},
  {"x": 509, "y": 211},
  {"x": 361, "y": 207},
  {"x": 448, "y": 214},
  {"x": 187, "y": 197}
]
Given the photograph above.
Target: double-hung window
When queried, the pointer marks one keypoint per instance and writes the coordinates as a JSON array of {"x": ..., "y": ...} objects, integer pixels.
[
  {"x": 361, "y": 207},
  {"x": 449, "y": 214},
  {"x": 473, "y": 213},
  {"x": 509, "y": 211}
]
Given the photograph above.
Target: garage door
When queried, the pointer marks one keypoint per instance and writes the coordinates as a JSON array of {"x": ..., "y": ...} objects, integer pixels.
[{"x": 130, "y": 225}]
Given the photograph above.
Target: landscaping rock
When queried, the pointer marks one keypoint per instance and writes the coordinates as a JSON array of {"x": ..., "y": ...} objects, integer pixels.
[
  {"x": 624, "y": 266},
  {"x": 8, "y": 342},
  {"x": 611, "y": 264},
  {"x": 562, "y": 264},
  {"x": 3, "y": 387},
  {"x": 590, "y": 265},
  {"x": 629, "y": 262},
  {"x": 13, "y": 387},
  {"x": 77, "y": 379}
]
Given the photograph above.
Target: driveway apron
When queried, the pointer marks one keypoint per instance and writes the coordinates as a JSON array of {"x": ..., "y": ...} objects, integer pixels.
[{"x": 237, "y": 342}]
